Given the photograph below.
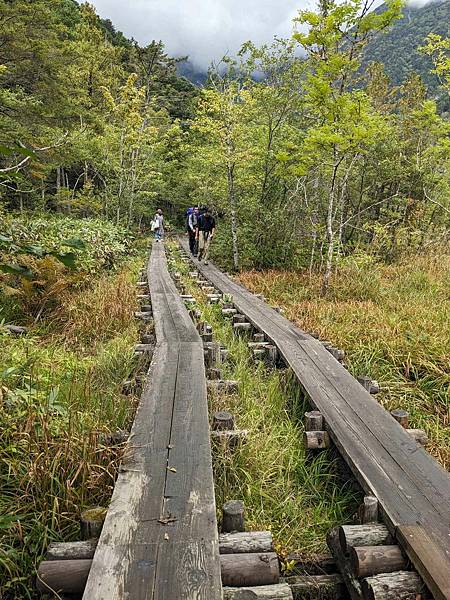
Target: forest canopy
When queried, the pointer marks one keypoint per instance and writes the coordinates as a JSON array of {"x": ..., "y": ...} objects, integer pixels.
[{"x": 320, "y": 151}]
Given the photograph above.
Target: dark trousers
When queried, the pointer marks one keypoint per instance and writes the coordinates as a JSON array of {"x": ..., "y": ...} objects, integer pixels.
[{"x": 192, "y": 242}]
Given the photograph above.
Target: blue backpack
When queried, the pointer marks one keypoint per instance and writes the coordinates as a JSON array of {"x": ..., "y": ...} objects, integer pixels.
[{"x": 187, "y": 215}]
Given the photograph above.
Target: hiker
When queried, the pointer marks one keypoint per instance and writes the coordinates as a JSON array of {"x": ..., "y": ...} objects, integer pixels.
[
  {"x": 158, "y": 225},
  {"x": 206, "y": 230},
  {"x": 192, "y": 229}
]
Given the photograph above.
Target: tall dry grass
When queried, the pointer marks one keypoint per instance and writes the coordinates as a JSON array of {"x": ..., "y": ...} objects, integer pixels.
[
  {"x": 60, "y": 389},
  {"x": 393, "y": 323}
]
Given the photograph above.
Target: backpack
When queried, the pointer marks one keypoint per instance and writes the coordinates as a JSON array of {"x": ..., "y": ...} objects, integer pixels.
[{"x": 187, "y": 215}]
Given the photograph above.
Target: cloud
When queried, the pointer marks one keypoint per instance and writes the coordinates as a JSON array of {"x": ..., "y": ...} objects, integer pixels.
[{"x": 203, "y": 29}]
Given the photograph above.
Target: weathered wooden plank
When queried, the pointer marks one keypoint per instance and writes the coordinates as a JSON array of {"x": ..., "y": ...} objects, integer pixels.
[
  {"x": 427, "y": 557},
  {"x": 160, "y": 538},
  {"x": 411, "y": 486}
]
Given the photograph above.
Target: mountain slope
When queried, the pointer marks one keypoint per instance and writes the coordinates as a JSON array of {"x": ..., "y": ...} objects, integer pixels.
[{"x": 398, "y": 48}]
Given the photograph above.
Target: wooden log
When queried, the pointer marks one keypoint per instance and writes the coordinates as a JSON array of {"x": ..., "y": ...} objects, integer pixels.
[
  {"x": 238, "y": 318},
  {"x": 316, "y": 440},
  {"x": 223, "y": 386},
  {"x": 207, "y": 337},
  {"x": 223, "y": 355},
  {"x": 233, "y": 516},
  {"x": 116, "y": 438},
  {"x": 368, "y": 511},
  {"x": 419, "y": 435},
  {"x": 319, "y": 564},
  {"x": 229, "y": 312},
  {"x": 401, "y": 416},
  {"x": 193, "y": 274},
  {"x": 242, "y": 328},
  {"x": 257, "y": 345},
  {"x": 147, "y": 338},
  {"x": 229, "y": 543},
  {"x": 372, "y": 560},
  {"x": 16, "y": 329},
  {"x": 372, "y": 386},
  {"x": 245, "y": 542},
  {"x": 142, "y": 284},
  {"x": 91, "y": 522},
  {"x": 145, "y": 316},
  {"x": 314, "y": 421},
  {"x": 142, "y": 348},
  {"x": 259, "y": 337},
  {"x": 364, "y": 535},
  {"x": 280, "y": 591},
  {"x": 71, "y": 550},
  {"x": 143, "y": 296},
  {"x": 212, "y": 353},
  {"x": 259, "y": 353},
  {"x": 214, "y": 374},
  {"x": 317, "y": 587},
  {"x": 338, "y": 354},
  {"x": 403, "y": 585},
  {"x": 229, "y": 439},
  {"x": 271, "y": 355},
  {"x": 201, "y": 327},
  {"x": 146, "y": 308},
  {"x": 239, "y": 570},
  {"x": 222, "y": 420},
  {"x": 65, "y": 576}
]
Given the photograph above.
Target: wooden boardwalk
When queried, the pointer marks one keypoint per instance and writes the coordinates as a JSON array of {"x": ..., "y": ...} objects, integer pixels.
[
  {"x": 412, "y": 488},
  {"x": 160, "y": 538}
]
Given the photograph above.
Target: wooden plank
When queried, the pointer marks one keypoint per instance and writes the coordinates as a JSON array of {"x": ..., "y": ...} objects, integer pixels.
[
  {"x": 411, "y": 486},
  {"x": 424, "y": 551},
  {"x": 160, "y": 537}
]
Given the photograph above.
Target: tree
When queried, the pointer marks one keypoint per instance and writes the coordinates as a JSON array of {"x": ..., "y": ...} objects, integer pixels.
[{"x": 343, "y": 121}]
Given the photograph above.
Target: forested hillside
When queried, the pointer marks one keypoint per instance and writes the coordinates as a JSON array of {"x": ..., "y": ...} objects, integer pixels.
[
  {"x": 398, "y": 49},
  {"x": 87, "y": 115}
]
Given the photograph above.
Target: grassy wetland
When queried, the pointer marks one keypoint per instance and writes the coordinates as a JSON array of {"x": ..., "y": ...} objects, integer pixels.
[
  {"x": 298, "y": 498},
  {"x": 393, "y": 323},
  {"x": 60, "y": 390}
]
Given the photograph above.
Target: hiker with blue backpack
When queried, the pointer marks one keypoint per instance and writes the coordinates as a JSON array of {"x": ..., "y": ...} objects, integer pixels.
[{"x": 192, "y": 228}]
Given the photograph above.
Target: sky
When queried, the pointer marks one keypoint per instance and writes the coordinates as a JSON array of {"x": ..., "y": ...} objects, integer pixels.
[{"x": 203, "y": 29}]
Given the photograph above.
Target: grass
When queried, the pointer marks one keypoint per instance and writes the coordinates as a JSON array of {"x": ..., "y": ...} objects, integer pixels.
[
  {"x": 298, "y": 497},
  {"x": 60, "y": 389},
  {"x": 392, "y": 322}
]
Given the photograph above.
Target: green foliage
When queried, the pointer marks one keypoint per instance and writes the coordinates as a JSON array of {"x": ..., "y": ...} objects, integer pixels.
[
  {"x": 309, "y": 163},
  {"x": 399, "y": 48},
  {"x": 42, "y": 258},
  {"x": 97, "y": 145}
]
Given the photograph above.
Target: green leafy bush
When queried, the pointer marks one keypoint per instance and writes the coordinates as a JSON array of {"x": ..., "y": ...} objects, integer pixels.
[
  {"x": 41, "y": 257},
  {"x": 96, "y": 244}
]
